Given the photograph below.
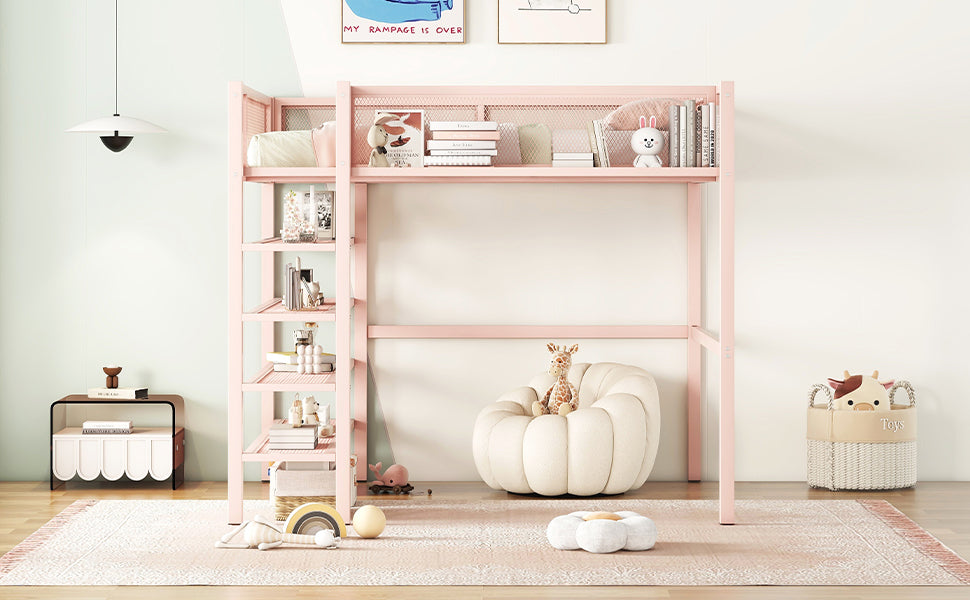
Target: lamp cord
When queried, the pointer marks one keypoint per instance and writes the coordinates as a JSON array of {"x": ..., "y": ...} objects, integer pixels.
[{"x": 116, "y": 58}]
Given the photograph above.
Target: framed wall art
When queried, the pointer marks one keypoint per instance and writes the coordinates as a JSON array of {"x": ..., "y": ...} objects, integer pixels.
[
  {"x": 552, "y": 21},
  {"x": 403, "y": 21}
]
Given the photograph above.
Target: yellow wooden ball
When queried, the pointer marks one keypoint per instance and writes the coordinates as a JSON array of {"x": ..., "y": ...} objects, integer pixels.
[{"x": 369, "y": 521}]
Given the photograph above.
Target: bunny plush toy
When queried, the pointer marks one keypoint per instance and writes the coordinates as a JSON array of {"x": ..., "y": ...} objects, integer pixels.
[{"x": 647, "y": 142}]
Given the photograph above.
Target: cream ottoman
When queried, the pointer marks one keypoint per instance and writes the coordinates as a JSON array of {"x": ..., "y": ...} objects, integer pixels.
[{"x": 607, "y": 446}]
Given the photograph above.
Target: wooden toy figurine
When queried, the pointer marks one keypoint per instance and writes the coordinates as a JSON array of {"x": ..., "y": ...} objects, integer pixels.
[
  {"x": 562, "y": 398},
  {"x": 111, "y": 381},
  {"x": 263, "y": 534},
  {"x": 377, "y": 139}
]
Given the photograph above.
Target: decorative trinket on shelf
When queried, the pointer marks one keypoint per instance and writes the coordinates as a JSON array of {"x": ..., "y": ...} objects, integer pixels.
[
  {"x": 377, "y": 138},
  {"x": 648, "y": 143},
  {"x": 312, "y": 360},
  {"x": 296, "y": 412},
  {"x": 310, "y": 407},
  {"x": 312, "y": 297},
  {"x": 299, "y": 218},
  {"x": 111, "y": 381},
  {"x": 302, "y": 337}
]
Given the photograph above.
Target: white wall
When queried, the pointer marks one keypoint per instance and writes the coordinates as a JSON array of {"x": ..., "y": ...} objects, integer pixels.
[{"x": 850, "y": 247}]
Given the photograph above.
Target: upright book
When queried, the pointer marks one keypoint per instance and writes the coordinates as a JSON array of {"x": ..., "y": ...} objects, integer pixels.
[
  {"x": 674, "y": 134},
  {"x": 691, "y": 131},
  {"x": 405, "y": 145}
]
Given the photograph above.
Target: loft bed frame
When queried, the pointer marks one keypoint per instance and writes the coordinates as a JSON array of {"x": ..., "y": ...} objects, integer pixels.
[{"x": 353, "y": 107}]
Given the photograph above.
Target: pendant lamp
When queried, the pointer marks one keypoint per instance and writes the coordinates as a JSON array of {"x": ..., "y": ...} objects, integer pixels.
[{"x": 116, "y": 131}]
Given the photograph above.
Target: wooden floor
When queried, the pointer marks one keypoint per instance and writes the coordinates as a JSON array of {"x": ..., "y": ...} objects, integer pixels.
[{"x": 943, "y": 509}]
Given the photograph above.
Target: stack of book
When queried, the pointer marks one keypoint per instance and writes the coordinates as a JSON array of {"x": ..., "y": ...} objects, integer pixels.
[
  {"x": 283, "y": 436},
  {"x": 462, "y": 143},
  {"x": 106, "y": 427},
  {"x": 289, "y": 362},
  {"x": 693, "y": 135},
  {"x": 572, "y": 159}
]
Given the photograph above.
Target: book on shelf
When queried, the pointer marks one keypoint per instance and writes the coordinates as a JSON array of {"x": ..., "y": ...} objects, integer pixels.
[
  {"x": 463, "y": 125},
  {"x": 281, "y": 368},
  {"x": 458, "y": 161},
  {"x": 106, "y": 427},
  {"x": 673, "y": 143},
  {"x": 122, "y": 393},
  {"x": 285, "y": 430},
  {"x": 461, "y": 145},
  {"x": 104, "y": 431},
  {"x": 291, "y": 445},
  {"x": 601, "y": 143},
  {"x": 405, "y": 144},
  {"x": 690, "y": 109},
  {"x": 462, "y": 152},
  {"x": 682, "y": 135},
  {"x": 572, "y": 164},
  {"x": 705, "y": 135},
  {"x": 591, "y": 133},
  {"x": 572, "y": 156},
  {"x": 715, "y": 121},
  {"x": 293, "y": 277},
  {"x": 466, "y": 135},
  {"x": 281, "y": 358}
]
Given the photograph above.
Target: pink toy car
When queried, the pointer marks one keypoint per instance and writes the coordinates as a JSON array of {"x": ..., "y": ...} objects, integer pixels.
[{"x": 394, "y": 479}]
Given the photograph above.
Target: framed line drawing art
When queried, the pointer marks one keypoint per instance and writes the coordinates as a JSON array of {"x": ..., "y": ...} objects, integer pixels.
[
  {"x": 552, "y": 21},
  {"x": 402, "y": 21}
]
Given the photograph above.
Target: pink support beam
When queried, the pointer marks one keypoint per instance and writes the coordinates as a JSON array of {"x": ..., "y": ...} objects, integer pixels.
[
  {"x": 342, "y": 221},
  {"x": 234, "y": 475},
  {"x": 726, "y": 471},
  {"x": 360, "y": 328},
  {"x": 695, "y": 290},
  {"x": 267, "y": 333},
  {"x": 603, "y": 332}
]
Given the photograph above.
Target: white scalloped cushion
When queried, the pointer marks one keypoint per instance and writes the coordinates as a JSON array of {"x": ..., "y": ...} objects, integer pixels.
[{"x": 633, "y": 532}]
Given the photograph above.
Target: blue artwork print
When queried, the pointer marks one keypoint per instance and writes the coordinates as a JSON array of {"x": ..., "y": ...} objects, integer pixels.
[{"x": 399, "y": 11}]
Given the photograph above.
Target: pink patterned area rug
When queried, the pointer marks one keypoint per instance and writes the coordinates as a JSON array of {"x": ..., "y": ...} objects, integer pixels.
[{"x": 431, "y": 542}]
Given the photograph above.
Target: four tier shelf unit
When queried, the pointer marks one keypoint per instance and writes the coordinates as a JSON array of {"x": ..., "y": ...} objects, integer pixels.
[{"x": 353, "y": 109}]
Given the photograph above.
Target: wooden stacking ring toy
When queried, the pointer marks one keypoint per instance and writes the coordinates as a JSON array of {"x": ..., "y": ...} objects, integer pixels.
[{"x": 309, "y": 518}]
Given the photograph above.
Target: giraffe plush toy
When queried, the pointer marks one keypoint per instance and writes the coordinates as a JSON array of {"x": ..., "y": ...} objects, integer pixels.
[{"x": 562, "y": 398}]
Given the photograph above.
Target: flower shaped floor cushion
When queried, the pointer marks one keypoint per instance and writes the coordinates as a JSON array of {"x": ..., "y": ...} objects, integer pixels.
[{"x": 602, "y": 532}]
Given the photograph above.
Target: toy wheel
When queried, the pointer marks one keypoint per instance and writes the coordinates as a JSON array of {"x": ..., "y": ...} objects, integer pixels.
[
  {"x": 374, "y": 489},
  {"x": 396, "y": 489}
]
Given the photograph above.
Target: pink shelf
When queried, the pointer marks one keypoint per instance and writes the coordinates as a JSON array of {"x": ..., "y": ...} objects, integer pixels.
[
  {"x": 268, "y": 380},
  {"x": 325, "y": 450},
  {"x": 534, "y": 174},
  {"x": 278, "y": 245},
  {"x": 273, "y": 310},
  {"x": 290, "y": 174}
]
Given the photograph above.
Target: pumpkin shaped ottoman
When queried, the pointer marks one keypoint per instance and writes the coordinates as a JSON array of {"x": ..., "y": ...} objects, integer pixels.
[{"x": 607, "y": 446}]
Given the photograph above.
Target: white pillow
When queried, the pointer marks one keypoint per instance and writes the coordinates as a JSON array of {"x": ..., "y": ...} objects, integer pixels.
[{"x": 281, "y": 149}]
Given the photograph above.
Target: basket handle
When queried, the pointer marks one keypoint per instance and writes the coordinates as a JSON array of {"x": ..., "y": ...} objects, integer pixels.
[
  {"x": 815, "y": 389},
  {"x": 909, "y": 392}
]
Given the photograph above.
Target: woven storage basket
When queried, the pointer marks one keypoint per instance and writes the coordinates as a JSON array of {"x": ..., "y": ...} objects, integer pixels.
[
  {"x": 290, "y": 489},
  {"x": 862, "y": 450}
]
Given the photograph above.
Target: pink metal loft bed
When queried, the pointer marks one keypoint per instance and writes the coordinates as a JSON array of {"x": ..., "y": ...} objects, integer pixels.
[{"x": 353, "y": 107}]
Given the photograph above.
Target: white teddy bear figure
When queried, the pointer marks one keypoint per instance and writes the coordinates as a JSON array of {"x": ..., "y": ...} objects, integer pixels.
[
  {"x": 648, "y": 143},
  {"x": 310, "y": 407}
]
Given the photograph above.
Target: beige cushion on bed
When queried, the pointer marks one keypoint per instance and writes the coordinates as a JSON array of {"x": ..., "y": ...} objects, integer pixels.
[
  {"x": 607, "y": 446},
  {"x": 281, "y": 149}
]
